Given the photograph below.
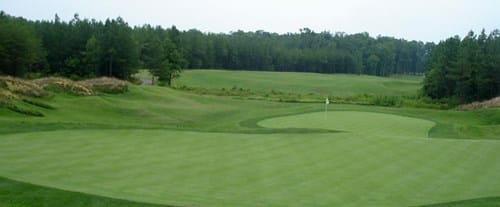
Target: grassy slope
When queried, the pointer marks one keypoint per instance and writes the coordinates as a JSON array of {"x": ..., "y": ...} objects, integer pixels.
[
  {"x": 333, "y": 85},
  {"x": 156, "y": 107},
  {"x": 21, "y": 194},
  {"x": 282, "y": 151}
]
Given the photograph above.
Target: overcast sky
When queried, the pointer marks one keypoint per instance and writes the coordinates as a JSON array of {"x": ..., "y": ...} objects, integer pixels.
[{"x": 425, "y": 20}]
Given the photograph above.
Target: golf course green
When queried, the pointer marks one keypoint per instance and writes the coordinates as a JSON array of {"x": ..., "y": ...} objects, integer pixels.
[
  {"x": 367, "y": 123},
  {"x": 158, "y": 146}
]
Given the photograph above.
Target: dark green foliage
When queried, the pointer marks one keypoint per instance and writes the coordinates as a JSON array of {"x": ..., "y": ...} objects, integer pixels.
[
  {"x": 457, "y": 70},
  {"x": 306, "y": 51},
  {"x": 13, "y": 193},
  {"x": 386, "y": 101},
  {"x": 172, "y": 64},
  {"x": 92, "y": 56},
  {"x": 464, "y": 70},
  {"x": 159, "y": 54},
  {"x": 20, "y": 49},
  {"x": 65, "y": 43},
  {"x": 83, "y": 48},
  {"x": 76, "y": 49},
  {"x": 119, "y": 50}
]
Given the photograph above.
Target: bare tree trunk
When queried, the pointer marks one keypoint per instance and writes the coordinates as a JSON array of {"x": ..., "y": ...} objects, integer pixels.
[
  {"x": 169, "y": 81},
  {"x": 152, "y": 77}
]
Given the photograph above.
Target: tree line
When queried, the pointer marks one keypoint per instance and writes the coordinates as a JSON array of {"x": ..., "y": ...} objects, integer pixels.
[
  {"x": 306, "y": 51},
  {"x": 460, "y": 69},
  {"x": 85, "y": 48},
  {"x": 464, "y": 70}
]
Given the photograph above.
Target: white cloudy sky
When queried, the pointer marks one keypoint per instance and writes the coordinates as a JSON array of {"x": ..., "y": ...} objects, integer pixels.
[{"x": 426, "y": 20}]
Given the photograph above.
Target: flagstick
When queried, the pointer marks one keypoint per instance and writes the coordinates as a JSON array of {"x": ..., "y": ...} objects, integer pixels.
[{"x": 326, "y": 107}]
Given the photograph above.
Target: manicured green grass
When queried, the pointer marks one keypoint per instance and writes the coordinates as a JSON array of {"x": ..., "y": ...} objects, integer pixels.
[
  {"x": 304, "y": 83},
  {"x": 366, "y": 123},
  {"x": 158, "y": 145},
  {"x": 228, "y": 169}
]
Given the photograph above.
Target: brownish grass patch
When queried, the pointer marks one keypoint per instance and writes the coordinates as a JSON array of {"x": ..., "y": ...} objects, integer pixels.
[
  {"x": 63, "y": 85},
  {"x": 21, "y": 86},
  {"x": 495, "y": 102},
  {"x": 106, "y": 85}
]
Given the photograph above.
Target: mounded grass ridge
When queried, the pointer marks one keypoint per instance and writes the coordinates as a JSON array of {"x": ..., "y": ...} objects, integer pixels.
[{"x": 18, "y": 94}]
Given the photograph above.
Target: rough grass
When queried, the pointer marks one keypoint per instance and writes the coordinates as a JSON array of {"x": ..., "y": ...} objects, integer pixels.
[
  {"x": 63, "y": 85},
  {"x": 15, "y": 91},
  {"x": 38, "y": 87},
  {"x": 106, "y": 85},
  {"x": 492, "y": 103},
  {"x": 20, "y": 86}
]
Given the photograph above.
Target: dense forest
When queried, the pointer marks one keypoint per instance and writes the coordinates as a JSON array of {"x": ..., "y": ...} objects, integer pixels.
[
  {"x": 462, "y": 70},
  {"x": 306, "y": 51},
  {"x": 82, "y": 48}
]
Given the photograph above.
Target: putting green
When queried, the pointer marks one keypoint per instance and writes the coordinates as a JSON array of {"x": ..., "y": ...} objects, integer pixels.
[
  {"x": 224, "y": 169},
  {"x": 365, "y": 123}
]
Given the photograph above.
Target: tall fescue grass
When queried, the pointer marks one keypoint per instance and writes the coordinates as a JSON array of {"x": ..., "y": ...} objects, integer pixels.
[
  {"x": 105, "y": 85},
  {"x": 492, "y": 103},
  {"x": 17, "y": 94},
  {"x": 40, "y": 87},
  {"x": 21, "y": 86},
  {"x": 63, "y": 85}
]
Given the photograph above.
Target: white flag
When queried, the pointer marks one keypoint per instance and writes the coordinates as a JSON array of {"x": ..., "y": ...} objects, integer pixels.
[{"x": 327, "y": 101}]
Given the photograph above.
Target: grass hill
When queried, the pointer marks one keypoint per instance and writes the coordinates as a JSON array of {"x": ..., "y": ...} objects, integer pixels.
[
  {"x": 303, "y": 83},
  {"x": 159, "y": 146},
  {"x": 306, "y": 87}
]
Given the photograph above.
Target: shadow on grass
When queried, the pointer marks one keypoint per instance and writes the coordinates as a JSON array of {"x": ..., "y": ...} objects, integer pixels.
[
  {"x": 476, "y": 202},
  {"x": 20, "y": 194}
]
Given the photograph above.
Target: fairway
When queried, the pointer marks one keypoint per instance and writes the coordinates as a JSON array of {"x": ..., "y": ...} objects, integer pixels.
[
  {"x": 304, "y": 83},
  {"x": 362, "y": 168}
]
